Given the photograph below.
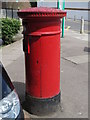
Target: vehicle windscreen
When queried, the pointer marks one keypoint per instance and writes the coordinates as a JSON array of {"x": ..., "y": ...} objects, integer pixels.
[{"x": 5, "y": 84}]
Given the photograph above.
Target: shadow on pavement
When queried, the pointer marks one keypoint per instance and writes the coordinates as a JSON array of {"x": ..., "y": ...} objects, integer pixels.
[{"x": 20, "y": 88}]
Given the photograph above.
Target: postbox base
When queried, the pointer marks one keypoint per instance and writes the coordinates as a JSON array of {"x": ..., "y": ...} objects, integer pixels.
[{"x": 42, "y": 106}]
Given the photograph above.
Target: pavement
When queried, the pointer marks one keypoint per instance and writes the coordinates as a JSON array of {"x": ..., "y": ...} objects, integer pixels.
[{"x": 74, "y": 74}]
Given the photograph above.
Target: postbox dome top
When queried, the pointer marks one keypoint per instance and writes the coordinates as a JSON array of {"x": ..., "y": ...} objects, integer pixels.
[{"x": 41, "y": 12}]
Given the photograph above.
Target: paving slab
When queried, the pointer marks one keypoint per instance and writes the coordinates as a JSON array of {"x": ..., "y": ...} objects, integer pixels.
[
  {"x": 11, "y": 52},
  {"x": 78, "y": 59},
  {"x": 83, "y": 37}
]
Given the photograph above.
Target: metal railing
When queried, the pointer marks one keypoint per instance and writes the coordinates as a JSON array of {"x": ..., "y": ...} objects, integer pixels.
[
  {"x": 10, "y": 12},
  {"x": 83, "y": 9}
]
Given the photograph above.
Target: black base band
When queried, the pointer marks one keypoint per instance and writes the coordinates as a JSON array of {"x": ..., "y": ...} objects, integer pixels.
[{"x": 42, "y": 106}]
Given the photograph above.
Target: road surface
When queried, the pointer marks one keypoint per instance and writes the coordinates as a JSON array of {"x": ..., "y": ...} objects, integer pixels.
[{"x": 75, "y": 25}]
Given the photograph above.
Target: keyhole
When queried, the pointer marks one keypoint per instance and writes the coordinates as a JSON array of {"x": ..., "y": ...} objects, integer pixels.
[{"x": 37, "y": 61}]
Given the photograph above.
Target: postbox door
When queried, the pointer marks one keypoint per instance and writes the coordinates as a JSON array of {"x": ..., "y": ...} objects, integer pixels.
[{"x": 50, "y": 59}]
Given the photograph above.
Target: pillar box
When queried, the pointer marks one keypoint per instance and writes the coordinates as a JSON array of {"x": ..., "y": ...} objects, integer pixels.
[{"x": 41, "y": 45}]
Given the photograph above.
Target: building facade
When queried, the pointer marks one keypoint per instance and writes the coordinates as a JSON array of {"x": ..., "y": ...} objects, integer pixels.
[{"x": 16, "y": 4}]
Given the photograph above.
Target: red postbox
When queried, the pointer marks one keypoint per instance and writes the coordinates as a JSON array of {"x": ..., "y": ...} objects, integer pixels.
[{"x": 41, "y": 45}]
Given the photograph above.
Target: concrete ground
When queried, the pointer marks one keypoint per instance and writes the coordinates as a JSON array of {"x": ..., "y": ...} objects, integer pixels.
[{"x": 74, "y": 74}]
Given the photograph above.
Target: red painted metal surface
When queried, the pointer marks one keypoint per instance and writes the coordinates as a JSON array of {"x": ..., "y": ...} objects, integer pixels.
[
  {"x": 41, "y": 12},
  {"x": 42, "y": 57}
]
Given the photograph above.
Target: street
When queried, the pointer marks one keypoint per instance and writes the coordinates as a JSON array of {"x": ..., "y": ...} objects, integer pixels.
[
  {"x": 75, "y": 25},
  {"x": 42, "y": 63},
  {"x": 74, "y": 75}
]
